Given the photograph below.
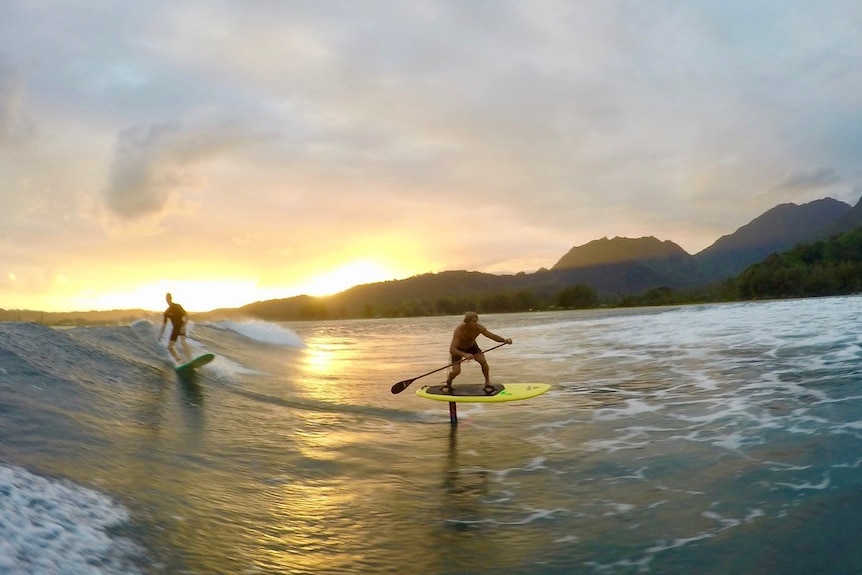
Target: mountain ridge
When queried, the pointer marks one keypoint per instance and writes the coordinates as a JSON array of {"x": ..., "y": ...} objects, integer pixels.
[
  {"x": 618, "y": 250},
  {"x": 777, "y": 229},
  {"x": 614, "y": 267}
]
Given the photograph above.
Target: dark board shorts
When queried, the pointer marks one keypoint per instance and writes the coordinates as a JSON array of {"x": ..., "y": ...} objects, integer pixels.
[{"x": 473, "y": 349}]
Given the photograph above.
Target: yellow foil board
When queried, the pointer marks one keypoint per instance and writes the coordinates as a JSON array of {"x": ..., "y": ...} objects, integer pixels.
[{"x": 473, "y": 393}]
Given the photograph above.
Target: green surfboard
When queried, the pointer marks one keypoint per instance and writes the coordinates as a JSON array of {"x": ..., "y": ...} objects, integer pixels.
[{"x": 195, "y": 363}]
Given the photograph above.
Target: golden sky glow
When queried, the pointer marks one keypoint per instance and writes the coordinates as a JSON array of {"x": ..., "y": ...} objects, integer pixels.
[{"x": 154, "y": 149}]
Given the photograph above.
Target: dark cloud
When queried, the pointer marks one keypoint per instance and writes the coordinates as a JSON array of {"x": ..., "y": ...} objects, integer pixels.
[
  {"x": 153, "y": 163},
  {"x": 149, "y": 164},
  {"x": 816, "y": 178}
]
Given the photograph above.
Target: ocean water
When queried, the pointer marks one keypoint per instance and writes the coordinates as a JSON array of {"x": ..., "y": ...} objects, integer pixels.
[{"x": 708, "y": 439}]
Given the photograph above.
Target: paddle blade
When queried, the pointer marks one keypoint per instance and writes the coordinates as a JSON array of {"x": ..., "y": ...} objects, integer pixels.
[{"x": 402, "y": 385}]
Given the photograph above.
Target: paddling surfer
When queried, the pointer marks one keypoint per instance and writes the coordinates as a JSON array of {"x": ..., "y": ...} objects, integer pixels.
[
  {"x": 464, "y": 347},
  {"x": 179, "y": 319}
]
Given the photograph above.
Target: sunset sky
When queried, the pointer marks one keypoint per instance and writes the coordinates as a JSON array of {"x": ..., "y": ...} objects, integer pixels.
[{"x": 231, "y": 152}]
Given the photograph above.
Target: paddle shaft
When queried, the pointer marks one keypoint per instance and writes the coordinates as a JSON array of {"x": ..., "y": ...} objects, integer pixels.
[{"x": 402, "y": 385}]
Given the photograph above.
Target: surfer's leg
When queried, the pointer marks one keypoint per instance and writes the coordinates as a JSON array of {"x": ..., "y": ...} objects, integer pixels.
[
  {"x": 186, "y": 349},
  {"x": 453, "y": 373},
  {"x": 172, "y": 341},
  {"x": 173, "y": 351},
  {"x": 486, "y": 371}
]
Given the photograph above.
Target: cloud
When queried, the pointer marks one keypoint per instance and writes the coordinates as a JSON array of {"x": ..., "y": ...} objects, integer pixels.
[
  {"x": 572, "y": 112},
  {"x": 477, "y": 135},
  {"x": 15, "y": 128},
  {"x": 153, "y": 163},
  {"x": 810, "y": 179},
  {"x": 817, "y": 182}
]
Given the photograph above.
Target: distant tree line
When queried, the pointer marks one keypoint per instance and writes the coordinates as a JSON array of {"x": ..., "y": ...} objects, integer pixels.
[{"x": 578, "y": 296}]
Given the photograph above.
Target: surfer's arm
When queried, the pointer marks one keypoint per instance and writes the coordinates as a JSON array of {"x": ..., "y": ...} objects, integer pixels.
[
  {"x": 164, "y": 323},
  {"x": 494, "y": 336}
]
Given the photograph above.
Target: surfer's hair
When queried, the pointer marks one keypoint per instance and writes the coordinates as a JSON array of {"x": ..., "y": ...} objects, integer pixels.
[{"x": 470, "y": 315}]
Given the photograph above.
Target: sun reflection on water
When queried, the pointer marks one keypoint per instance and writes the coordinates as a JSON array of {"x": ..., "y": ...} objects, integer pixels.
[
  {"x": 331, "y": 372},
  {"x": 319, "y": 358},
  {"x": 324, "y": 363},
  {"x": 313, "y": 531}
]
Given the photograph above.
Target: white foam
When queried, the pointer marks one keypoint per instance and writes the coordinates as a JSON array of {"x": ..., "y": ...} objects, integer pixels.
[
  {"x": 632, "y": 407},
  {"x": 264, "y": 332},
  {"x": 619, "y": 508},
  {"x": 535, "y": 464},
  {"x": 617, "y": 444},
  {"x": 567, "y": 539},
  {"x": 824, "y": 484},
  {"x": 49, "y": 526},
  {"x": 679, "y": 542},
  {"x": 754, "y": 514},
  {"x": 535, "y": 515},
  {"x": 227, "y": 369},
  {"x": 532, "y": 515},
  {"x": 725, "y": 522}
]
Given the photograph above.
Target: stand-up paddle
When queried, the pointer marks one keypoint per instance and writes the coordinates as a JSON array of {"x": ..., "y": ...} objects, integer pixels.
[{"x": 402, "y": 385}]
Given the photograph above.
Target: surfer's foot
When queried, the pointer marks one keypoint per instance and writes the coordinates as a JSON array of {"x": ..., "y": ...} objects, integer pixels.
[
  {"x": 446, "y": 388},
  {"x": 489, "y": 389}
]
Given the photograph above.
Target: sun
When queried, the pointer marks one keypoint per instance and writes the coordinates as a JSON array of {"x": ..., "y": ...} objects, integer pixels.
[
  {"x": 207, "y": 294},
  {"x": 346, "y": 276}
]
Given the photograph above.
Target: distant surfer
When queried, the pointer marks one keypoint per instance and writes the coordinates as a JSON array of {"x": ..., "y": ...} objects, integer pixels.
[
  {"x": 464, "y": 347},
  {"x": 179, "y": 318}
]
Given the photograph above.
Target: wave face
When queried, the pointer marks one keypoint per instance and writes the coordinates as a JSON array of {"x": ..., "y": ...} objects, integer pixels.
[{"x": 703, "y": 439}]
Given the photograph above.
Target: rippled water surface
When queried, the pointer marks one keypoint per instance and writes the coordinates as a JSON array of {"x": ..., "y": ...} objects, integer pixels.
[{"x": 711, "y": 439}]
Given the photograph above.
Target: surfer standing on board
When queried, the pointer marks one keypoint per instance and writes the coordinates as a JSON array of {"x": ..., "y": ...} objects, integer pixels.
[
  {"x": 464, "y": 347},
  {"x": 179, "y": 318}
]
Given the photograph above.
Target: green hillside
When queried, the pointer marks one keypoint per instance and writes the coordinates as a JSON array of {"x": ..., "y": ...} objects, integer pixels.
[{"x": 832, "y": 267}]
